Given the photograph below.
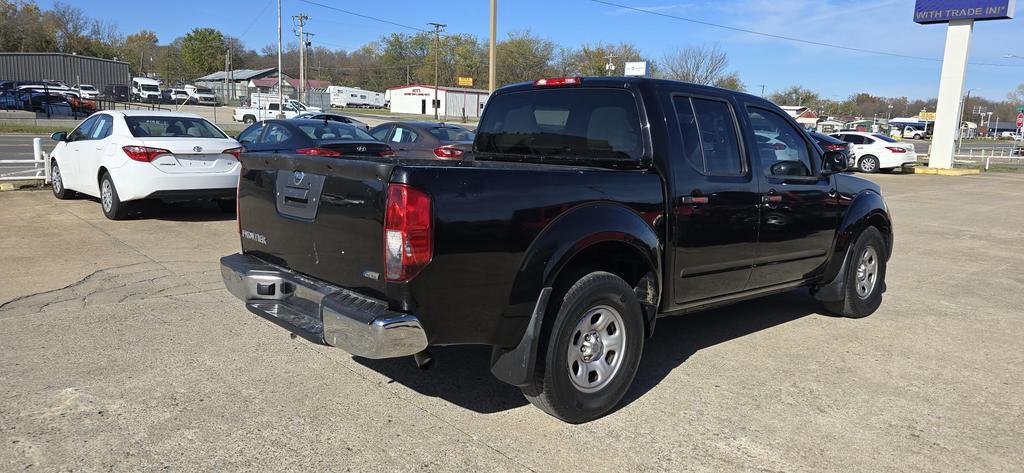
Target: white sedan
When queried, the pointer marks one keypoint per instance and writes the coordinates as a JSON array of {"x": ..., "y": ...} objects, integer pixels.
[
  {"x": 125, "y": 156},
  {"x": 877, "y": 152}
]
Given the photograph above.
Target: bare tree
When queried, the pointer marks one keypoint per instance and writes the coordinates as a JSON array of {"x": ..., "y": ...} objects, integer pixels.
[{"x": 705, "y": 65}]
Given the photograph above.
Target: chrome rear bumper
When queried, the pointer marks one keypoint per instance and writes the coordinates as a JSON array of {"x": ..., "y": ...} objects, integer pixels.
[{"x": 320, "y": 311}]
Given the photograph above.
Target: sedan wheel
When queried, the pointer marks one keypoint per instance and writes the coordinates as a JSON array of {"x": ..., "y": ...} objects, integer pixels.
[
  {"x": 869, "y": 164},
  {"x": 57, "y": 180},
  {"x": 113, "y": 208}
]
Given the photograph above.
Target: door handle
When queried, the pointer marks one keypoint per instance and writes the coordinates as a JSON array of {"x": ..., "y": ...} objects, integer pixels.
[{"x": 772, "y": 197}]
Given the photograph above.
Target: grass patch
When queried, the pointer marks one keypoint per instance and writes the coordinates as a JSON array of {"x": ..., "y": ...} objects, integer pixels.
[{"x": 33, "y": 129}]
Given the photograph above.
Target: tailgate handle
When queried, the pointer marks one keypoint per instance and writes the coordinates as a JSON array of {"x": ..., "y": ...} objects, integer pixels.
[{"x": 296, "y": 194}]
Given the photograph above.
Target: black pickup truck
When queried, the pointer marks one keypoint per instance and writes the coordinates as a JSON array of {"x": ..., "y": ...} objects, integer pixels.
[{"x": 591, "y": 207}]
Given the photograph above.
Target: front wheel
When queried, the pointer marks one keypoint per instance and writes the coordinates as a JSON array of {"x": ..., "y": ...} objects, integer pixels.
[
  {"x": 868, "y": 164},
  {"x": 592, "y": 351},
  {"x": 865, "y": 277},
  {"x": 57, "y": 183},
  {"x": 113, "y": 208}
]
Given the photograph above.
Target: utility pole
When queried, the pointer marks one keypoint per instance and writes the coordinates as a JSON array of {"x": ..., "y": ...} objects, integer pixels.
[
  {"x": 407, "y": 75},
  {"x": 492, "y": 67},
  {"x": 437, "y": 54},
  {"x": 300, "y": 20},
  {"x": 280, "y": 73},
  {"x": 762, "y": 90},
  {"x": 610, "y": 67},
  {"x": 227, "y": 67}
]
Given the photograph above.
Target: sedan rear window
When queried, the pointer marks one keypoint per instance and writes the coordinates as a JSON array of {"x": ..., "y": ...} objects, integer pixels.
[
  {"x": 885, "y": 138},
  {"x": 172, "y": 127},
  {"x": 335, "y": 131},
  {"x": 451, "y": 133},
  {"x": 589, "y": 124}
]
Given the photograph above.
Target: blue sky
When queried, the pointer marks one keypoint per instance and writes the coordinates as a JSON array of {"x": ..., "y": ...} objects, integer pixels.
[{"x": 869, "y": 24}]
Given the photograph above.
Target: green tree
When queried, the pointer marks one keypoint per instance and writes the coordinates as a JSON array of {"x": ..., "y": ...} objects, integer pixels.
[
  {"x": 796, "y": 95},
  {"x": 523, "y": 57},
  {"x": 202, "y": 51},
  {"x": 140, "y": 50}
]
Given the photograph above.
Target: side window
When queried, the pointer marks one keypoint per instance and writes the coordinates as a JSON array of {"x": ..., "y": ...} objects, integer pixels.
[
  {"x": 867, "y": 141},
  {"x": 405, "y": 135},
  {"x": 103, "y": 127},
  {"x": 780, "y": 146},
  {"x": 251, "y": 134},
  {"x": 82, "y": 132},
  {"x": 273, "y": 106},
  {"x": 718, "y": 137},
  {"x": 381, "y": 133},
  {"x": 276, "y": 134}
]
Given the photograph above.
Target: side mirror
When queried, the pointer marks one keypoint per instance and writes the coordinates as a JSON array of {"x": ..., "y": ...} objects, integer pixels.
[
  {"x": 59, "y": 136},
  {"x": 789, "y": 168},
  {"x": 833, "y": 162}
]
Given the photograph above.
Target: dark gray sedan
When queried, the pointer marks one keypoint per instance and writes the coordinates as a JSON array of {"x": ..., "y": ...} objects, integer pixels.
[{"x": 425, "y": 139}]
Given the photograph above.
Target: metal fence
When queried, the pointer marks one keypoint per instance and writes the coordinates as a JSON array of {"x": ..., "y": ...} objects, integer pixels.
[{"x": 37, "y": 168}]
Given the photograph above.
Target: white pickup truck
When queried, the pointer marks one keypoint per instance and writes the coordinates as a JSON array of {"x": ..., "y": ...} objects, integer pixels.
[{"x": 250, "y": 115}]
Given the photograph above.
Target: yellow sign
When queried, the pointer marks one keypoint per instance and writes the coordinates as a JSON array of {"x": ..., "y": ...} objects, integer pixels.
[
  {"x": 929, "y": 116},
  {"x": 464, "y": 81}
]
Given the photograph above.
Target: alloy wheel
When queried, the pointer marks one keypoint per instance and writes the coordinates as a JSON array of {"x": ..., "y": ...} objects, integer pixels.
[{"x": 107, "y": 195}]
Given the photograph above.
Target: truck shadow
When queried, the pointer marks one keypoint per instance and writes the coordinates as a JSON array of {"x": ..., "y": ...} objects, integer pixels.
[{"x": 462, "y": 376}]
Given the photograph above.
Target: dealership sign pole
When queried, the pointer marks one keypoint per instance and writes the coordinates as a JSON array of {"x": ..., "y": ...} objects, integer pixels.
[{"x": 960, "y": 15}]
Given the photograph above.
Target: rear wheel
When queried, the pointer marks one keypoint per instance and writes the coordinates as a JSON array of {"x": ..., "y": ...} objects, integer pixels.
[
  {"x": 57, "y": 183},
  {"x": 868, "y": 164},
  {"x": 591, "y": 352},
  {"x": 249, "y": 119},
  {"x": 113, "y": 208},
  {"x": 865, "y": 277}
]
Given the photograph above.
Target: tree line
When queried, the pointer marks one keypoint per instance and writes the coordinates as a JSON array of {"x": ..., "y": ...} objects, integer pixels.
[{"x": 403, "y": 58}]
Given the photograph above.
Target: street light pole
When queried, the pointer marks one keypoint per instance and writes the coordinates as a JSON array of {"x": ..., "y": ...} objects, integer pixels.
[
  {"x": 280, "y": 79},
  {"x": 437, "y": 55}
]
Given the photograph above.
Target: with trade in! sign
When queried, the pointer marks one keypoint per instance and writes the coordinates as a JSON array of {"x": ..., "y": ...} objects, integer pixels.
[{"x": 942, "y": 11}]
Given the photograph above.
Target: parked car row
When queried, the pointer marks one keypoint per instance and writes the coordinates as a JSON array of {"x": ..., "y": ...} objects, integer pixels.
[
  {"x": 121, "y": 157},
  {"x": 54, "y": 98}
]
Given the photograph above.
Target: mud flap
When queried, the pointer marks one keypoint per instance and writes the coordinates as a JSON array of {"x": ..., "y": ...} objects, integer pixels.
[{"x": 516, "y": 366}]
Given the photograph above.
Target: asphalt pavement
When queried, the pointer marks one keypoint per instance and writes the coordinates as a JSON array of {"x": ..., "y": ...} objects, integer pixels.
[{"x": 120, "y": 350}]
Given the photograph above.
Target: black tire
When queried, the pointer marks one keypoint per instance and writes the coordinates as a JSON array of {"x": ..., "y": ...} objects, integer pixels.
[
  {"x": 248, "y": 119},
  {"x": 554, "y": 391},
  {"x": 57, "y": 183},
  {"x": 868, "y": 164},
  {"x": 226, "y": 205},
  {"x": 114, "y": 209},
  {"x": 857, "y": 303}
]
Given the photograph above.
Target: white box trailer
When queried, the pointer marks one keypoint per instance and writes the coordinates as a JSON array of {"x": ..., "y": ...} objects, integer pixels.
[
  {"x": 455, "y": 102},
  {"x": 355, "y": 97}
]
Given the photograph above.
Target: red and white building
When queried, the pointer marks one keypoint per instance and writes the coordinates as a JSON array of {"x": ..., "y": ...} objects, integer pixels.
[{"x": 455, "y": 102}]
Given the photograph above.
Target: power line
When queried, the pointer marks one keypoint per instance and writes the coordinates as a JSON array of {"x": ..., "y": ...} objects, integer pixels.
[
  {"x": 255, "y": 19},
  {"x": 364, "y": 16},
  {"x": 786, "y": 38}
]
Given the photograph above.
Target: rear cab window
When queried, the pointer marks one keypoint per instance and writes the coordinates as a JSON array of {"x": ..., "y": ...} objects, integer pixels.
[
  {"x": 598, "y": 125},
  {"x": 709, "y": 136}
]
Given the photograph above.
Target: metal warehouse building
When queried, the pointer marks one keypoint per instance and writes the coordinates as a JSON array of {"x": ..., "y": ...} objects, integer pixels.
[
  {"x": 455, "y": 101},
  {"x": 70, "y": 68}
]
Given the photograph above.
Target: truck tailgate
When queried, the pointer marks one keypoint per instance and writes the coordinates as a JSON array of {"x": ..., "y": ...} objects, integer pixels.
[{"x": 320, "y": 216}]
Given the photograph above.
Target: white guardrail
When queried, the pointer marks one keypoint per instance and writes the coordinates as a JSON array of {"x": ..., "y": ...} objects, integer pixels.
[{"x": 38, "y": 169}]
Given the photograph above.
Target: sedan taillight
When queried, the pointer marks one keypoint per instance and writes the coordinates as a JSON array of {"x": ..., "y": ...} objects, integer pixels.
[
  {"x": 236, "y": 152},
  {"x": 144, "y": 154},
  {"x": 318, "y": 152},
  {"x": 895, "y": 149},
  {"x": 448, "y": 152}
]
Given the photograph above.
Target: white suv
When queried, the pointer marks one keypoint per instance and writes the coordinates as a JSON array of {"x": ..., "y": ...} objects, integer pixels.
[{"x": 877, "y": 152}]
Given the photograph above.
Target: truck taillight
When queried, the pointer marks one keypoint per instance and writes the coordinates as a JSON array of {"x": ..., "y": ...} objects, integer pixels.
[
  {"x": 408, "y": 245},
  {"x": 448, "y": 152}
]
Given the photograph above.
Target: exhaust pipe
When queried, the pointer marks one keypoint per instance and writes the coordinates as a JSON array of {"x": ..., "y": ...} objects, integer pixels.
[{"x": 424, "y": 360}]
